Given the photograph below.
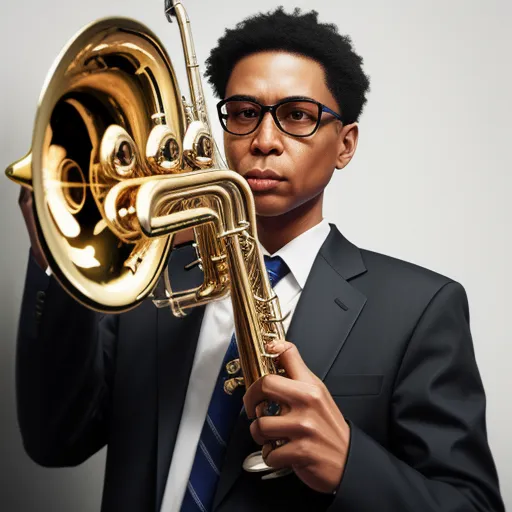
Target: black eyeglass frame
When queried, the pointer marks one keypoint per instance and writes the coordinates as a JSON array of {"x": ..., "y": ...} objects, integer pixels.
[{"x": 272, "y": 109}]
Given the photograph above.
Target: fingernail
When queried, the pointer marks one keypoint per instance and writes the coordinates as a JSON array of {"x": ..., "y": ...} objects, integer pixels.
[
  {"x": 277, "y": 347},
  {"x": 265, "y": 452}
]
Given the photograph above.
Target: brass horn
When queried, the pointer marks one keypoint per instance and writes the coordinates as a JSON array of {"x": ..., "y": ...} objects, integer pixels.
[
  {"x": 110, "y": 111},
  {"x": 120, "y": 163}
]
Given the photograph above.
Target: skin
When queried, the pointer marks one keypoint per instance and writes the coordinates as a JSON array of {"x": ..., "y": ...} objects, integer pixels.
[
  {"x": 316, "y": 432},
  {"x": 306, "y": 164},
  {"x": 25, "y": 202}
]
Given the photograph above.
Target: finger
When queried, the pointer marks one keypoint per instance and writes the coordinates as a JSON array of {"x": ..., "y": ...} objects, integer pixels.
[
  {"x": 271, "y": 428},
  {"x": 25, "y": 200},
  {"x": 25, "y": 196},
  {"x": 182, "y": 237},
  {"x": 265, "y": 451},
  {"x": 276, "y": 389},
  {"x": 269, "y": 388},
  {"x": 293, "y": 454},
  {"x": 291, "y": 361}
]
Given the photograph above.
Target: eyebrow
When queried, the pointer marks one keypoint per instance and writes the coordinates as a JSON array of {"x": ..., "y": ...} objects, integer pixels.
[{"x": 245, "y": 97}]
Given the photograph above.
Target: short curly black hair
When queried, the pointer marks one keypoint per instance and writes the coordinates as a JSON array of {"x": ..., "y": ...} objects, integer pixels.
[{"x": 299, "y": 33}]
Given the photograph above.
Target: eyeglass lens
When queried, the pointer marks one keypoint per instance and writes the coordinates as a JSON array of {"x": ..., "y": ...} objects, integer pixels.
[{"x": 295, "y": 117}]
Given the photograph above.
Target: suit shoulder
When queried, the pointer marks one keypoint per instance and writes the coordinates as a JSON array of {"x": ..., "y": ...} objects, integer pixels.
[
  {"x": 400, "y": 289},
  {"x": 397, "y": 272},
  {"x": 381, "y": 276}
]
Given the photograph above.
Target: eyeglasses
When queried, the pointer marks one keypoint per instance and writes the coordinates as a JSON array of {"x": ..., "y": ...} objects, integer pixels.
[{"x": 297, "y": 116}]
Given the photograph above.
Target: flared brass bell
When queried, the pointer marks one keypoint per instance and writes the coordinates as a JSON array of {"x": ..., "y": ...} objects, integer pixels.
[{"x": 111, "y": 110}]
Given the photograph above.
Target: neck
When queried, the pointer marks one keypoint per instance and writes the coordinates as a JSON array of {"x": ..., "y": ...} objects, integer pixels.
[{"x": 276, "y": 232}]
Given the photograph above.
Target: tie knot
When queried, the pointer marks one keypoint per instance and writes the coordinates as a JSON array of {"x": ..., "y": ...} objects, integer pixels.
[{"x": 276, "y": 268}]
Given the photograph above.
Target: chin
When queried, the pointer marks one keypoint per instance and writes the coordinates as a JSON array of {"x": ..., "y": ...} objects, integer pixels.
[{"x": 270, "y": 207}]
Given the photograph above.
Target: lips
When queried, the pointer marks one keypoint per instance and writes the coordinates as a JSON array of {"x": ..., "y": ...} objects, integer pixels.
[{"x": 263, "y": 180}]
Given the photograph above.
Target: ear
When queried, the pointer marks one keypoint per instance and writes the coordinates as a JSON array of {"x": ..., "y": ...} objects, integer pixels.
[{"x": 347, "y": 137}]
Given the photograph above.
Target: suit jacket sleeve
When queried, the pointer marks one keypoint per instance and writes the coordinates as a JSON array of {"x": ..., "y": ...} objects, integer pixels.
[
  {"x": 64, "y": 370},
  {"x": 439, "y": 458}
]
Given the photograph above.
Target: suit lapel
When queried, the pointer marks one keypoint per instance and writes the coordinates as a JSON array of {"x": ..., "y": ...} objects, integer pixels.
[
  {"x": 327, "y": 310},
  {"x": 177, "y": 340},
  {"x": 329, "y": 305}
]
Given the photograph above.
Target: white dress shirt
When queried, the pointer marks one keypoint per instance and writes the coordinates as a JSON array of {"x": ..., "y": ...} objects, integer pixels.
[{"x": 215, "y": 335}]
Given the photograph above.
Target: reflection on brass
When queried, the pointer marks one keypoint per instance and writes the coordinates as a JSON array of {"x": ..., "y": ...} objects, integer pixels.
[
  {"x": 169, "y": 150},
  {"x": 198, "y": 146},
  {"x": 205, "y": 147},
  {"x": 118, "y": 153},
  {"x": 120, "y": 164},
  {"x": 73, "y": 185},
  {"x": 124, "y": 156},
  {"x": 163, "y": 150}
]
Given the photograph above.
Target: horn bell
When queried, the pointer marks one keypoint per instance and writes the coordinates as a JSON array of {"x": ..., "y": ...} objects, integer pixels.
[{"x": 109, "y": 112}]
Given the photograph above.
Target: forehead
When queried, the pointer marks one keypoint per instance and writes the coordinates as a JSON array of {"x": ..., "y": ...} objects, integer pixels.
[{"x": 271, "y": 76}]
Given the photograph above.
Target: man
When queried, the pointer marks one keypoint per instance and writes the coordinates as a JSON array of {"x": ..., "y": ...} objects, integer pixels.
[{"x": 383, "y": 407}]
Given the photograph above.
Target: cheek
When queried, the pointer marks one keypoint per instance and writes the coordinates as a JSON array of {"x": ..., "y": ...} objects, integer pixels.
[
  {"x": 314, "y": 169},
  {"x": 235, "y": 151}
]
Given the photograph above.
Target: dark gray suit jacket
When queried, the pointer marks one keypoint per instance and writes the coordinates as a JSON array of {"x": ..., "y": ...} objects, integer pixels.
[{"x": 390, "y": 340}]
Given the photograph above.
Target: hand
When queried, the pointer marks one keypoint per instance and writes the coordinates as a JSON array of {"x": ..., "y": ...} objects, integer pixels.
[
  {"x": 25, "y": 201},
  {"x": 182, "y": 237},
  {"x": 316, "y": 432}
]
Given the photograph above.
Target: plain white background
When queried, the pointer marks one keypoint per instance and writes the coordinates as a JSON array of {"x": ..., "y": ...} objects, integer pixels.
[{"x": 430, "y": 183}]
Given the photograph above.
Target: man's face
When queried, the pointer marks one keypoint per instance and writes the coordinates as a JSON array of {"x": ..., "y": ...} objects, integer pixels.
[{"x": 303, "y": 166}]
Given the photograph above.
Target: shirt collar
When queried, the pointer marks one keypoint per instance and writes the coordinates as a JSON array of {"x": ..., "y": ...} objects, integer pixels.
[{"x": 300, "y": 253}]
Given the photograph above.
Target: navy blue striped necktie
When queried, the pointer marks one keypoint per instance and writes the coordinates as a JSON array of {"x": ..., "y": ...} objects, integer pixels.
[{"x": 220, "y": 420}]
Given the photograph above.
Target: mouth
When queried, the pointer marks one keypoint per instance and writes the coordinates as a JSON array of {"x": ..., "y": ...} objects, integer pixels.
[{"x": 263, "y": 180}]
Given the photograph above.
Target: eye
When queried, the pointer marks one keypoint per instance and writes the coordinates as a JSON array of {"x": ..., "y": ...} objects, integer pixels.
[
  {"x": 297, "y": 115},
  {"x": 242, "y": 111},
  {"x": 248, "y": 113}
]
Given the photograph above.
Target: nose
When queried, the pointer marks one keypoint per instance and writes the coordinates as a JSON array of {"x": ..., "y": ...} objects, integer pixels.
[{"x": 267, "y": 139}]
